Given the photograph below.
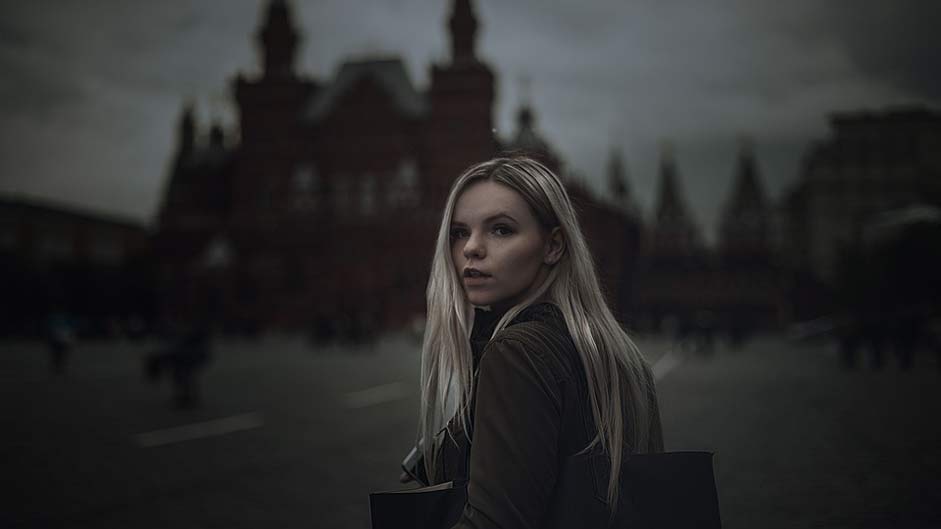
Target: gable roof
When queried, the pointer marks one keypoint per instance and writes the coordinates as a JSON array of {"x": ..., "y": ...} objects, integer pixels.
[{"x": 389, "y": 73}]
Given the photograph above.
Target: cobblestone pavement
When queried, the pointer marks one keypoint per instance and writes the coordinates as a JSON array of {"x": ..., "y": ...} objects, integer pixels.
[{"x": 290, "y": 436}]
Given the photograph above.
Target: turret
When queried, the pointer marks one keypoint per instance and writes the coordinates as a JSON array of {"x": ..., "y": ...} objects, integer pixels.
[
  {"x": 617, "y": 179},
  {"x": 186, "y": 134},
  {"x": 463, "y": 25},
  {"x": 674, "y": 229},
  {"x": 745, "y": 216},
  {"x": 278, "y": 40}
]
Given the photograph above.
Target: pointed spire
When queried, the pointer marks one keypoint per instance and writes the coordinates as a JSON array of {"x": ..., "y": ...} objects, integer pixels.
[
  {"x": 669, "y": 204},
  {"x": 527, "y": 139},
  {"x": 748, "y": 185},
  {"x": 463, "y": 25},
  {"x": 529, "y": 142},
  {"x": 745, "y": 216},
  {"x": 674, "y": 229},
  {"x": 617, "y": 177},
  {"x": 187, "y": 131},
  {"x": 278, "y": 40}
]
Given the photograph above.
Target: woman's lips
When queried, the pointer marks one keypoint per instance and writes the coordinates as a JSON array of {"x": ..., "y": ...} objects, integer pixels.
[{"x": 472, "y": 281}]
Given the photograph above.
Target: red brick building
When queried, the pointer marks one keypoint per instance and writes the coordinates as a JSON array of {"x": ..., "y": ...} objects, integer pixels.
[{"x": 324, "y": 214}]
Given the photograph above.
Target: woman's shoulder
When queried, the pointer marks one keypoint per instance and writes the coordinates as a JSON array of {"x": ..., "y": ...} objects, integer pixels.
[
  {"x": 545, "y": 316},
  {"x": 539, "y": 331}
]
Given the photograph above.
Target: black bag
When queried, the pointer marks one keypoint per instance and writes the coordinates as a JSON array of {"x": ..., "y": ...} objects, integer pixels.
[
  {"x": 658, "y": 491},
  {"x": 434, "y": 507}
]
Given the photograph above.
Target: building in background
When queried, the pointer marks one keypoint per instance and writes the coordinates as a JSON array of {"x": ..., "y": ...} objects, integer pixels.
[
  {"x": 675, "y": 275},
  {"x": 873, "y": 163},
  {"x": 55, "y": 259},
  {"x": 323, "y": 216},
  {"x": 690, "y": 289},
  {"x": 751, "y": 281}
]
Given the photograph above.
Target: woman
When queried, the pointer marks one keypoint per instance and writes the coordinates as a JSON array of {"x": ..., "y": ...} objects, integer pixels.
[{"x": 523, "y": 363}]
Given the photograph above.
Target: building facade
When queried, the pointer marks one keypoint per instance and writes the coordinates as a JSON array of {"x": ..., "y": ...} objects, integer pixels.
[
  {"x": 92, "y": 267},
  {"x": 324, "y": 215},
  {"x": 872, "y": 163},
  {"x": 689, "y": 289}
]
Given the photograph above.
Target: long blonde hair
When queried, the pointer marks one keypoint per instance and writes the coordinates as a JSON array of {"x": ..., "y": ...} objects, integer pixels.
[{"x": 619, "y": 379}]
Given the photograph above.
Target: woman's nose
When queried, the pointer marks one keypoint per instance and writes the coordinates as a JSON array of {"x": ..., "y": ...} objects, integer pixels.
[{"x": 474, "y": 248}]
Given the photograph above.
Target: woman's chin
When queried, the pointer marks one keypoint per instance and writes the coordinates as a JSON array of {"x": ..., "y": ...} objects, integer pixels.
[{"x": 477, "y": 300}]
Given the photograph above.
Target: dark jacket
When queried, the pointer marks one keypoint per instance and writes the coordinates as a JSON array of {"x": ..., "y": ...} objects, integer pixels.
[{"x": 530, "y": 410}]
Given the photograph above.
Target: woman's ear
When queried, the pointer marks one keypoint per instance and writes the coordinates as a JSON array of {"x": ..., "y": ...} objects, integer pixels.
[{"x": 555, "y": 246}]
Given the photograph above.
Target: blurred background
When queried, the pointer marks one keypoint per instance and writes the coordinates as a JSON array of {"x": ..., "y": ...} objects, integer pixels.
[{"x": 217, "y": 221}]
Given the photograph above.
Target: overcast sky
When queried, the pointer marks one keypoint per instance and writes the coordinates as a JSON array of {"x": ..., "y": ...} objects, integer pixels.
[{"x": 91, "y": 91}]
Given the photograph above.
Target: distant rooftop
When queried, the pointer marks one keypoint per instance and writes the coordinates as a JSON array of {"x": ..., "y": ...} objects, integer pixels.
[
  {"x": 16, "y": 201},
  {"x": 389, "y": 72}
]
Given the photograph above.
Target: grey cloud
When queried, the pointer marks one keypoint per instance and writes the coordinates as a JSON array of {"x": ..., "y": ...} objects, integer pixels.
[
  {"x": 897, "y": 41},
  {"x": 37, "y": 90},
  {"x": 603, "y": 73}
]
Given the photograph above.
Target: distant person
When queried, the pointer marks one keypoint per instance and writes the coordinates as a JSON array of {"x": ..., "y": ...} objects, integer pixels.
[
  {"x": 185, "y": 359},
  {"x": 60, "y": 337},
  {"x": 523, "y": 362}
]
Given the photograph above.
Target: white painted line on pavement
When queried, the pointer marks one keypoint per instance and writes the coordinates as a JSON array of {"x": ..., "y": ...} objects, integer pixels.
[
  {"x": 199, "y": 430},
  {"x": 665, "y": 364},
  {"x": 375, "y": 395}
]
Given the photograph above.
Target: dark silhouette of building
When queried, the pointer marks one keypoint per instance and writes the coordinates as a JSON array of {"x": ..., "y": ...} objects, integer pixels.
[
  {"x": 324, "y": 215},
  {"x": 696, "y": 290},
  {"x": 674, "y": 278},
  {"x": 674, "y": 233},
  {"x": 745, "y": 232},
  {"x": 873, "y": 162},
  {"x": 862, "y": 233},
  {"x": 527, "y": 140},
  {"x": 91, "y": 268},
  {"x": 749, "y": 274}
]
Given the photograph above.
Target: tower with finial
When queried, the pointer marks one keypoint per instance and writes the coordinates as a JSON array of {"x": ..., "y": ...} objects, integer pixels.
[
  {"x": 180, "y": 173},
  {"x": 461, "y": 91},
  {"x": 186, "y": 134},
  {"x": 463, "y": 26},
  {"x": 268, "y": 124},
  {"x": 278, "y": 39},
  {"x": 674, "y": 231},
  {"x": 745, "y": 223}
]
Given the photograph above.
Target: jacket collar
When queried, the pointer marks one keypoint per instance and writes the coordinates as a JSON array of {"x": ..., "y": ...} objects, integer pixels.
[{"x": 485, "y": 321}]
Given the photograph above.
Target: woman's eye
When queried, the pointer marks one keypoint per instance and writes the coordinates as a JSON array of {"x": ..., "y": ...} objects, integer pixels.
[
  {"x": 458, "y": 233},
  {"x": 502, "y": 230}
]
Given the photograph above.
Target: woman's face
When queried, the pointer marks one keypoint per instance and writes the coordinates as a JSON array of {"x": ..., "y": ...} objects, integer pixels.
[{"x": 500, "y": 251}]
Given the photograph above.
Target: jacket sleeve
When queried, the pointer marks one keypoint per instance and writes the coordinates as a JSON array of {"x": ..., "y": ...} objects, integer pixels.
[{"x": 514, "y": 455}]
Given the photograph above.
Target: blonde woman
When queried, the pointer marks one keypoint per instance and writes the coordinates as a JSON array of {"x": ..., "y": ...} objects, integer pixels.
[{"x": 523, "y": 363}]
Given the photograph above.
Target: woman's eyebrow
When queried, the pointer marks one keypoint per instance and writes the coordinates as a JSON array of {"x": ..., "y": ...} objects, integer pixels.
[
  {"x": 487, "y": 220},
  {"x": 492, "y": 218}
]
